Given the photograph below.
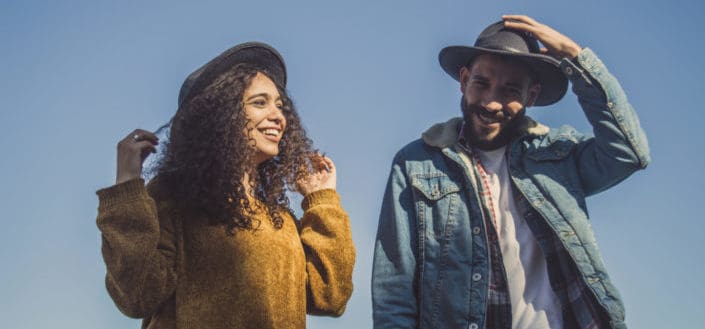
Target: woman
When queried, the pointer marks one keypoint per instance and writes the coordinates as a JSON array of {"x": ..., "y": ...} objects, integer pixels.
[{"x": 211, "y": 242}]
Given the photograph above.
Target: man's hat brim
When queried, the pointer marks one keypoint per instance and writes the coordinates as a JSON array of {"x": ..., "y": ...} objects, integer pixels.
[{"x": 553, "y": 82}]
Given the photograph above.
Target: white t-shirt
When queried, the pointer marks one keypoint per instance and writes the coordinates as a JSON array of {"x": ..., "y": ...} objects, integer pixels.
[{"x": 534, "y": 304}]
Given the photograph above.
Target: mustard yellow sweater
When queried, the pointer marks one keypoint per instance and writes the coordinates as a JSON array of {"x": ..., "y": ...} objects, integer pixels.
[{"x": 174, "y": 270}]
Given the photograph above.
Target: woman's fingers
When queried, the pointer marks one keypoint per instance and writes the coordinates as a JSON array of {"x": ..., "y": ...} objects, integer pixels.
[
  {"x": 139, "y": 135},
  {"x": 132, "y": 151},
  {"x": 323, "y": 162},
  {"x": 140, "y": 142},
  {"x": 146, "y": 148},
  {"x": 323, "y": 175},
  {"x": 318, "y": 162},
  {"x": 330, "y": 166}
]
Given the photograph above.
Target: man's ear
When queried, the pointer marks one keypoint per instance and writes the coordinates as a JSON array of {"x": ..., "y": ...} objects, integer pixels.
[
  {"x": 464, "y": 77},
  {"x": 534, "y": 92}
]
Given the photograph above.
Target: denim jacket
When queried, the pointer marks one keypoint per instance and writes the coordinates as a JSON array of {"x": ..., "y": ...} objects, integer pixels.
[{"x": 430, "y": 259}]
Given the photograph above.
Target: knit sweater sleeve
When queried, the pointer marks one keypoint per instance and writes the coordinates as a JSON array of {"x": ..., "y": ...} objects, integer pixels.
[
  {"x": 330, "y": 253},
  {"x": 138, "y": 248}
]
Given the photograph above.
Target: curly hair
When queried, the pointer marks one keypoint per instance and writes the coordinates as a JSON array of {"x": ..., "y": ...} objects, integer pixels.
[{"x": 210, "y": 152}]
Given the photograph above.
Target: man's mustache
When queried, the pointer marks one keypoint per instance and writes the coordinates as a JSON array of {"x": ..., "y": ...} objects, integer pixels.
[{"x": 467, "y": 109}]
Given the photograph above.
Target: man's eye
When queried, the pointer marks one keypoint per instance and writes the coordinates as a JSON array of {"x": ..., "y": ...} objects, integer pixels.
[
  {"x": 479, "y": 84},
  {"x": 513, "y": 92}
]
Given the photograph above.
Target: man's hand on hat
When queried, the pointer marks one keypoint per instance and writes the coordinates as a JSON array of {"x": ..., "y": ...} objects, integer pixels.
[{"x": 557, "y": 45}]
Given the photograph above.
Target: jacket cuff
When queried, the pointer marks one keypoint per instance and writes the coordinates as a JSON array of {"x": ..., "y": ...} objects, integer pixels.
[
  {"x": 325, "y": 196},
  {"x": 584, "y": 71},
  {"x": 586, "y": 61},
  {"x": 589, "y": 61},
  {"x": 120, "y": 193}
]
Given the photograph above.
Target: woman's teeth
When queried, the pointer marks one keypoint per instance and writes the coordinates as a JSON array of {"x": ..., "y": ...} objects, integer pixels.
[{"x": 271, "y": 132}]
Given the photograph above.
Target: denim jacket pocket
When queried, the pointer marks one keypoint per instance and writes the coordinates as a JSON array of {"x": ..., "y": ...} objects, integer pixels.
[
  {"x": 437, "y": 198},
  {"x": 434, "y": 186}
]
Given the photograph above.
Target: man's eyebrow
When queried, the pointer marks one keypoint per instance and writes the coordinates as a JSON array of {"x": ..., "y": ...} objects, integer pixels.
[
  {"x": 513, "y": 84},
  {"x": 479, "y": 77}
]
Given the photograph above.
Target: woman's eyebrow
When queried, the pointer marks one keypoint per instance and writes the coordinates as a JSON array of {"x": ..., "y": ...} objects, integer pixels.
[{"x": 265, "y": 95}]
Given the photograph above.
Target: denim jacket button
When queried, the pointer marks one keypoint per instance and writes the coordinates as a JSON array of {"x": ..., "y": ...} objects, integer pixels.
[
  {"x": 476, "y": 277},
  {"x": 476, "y": 230},
  {"x": 473, "y": 326}
]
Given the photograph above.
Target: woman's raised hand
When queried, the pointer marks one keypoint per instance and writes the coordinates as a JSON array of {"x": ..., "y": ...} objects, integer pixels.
[
  {"x": 131, "y": 152},
  {"x": 323, "y": 176}
]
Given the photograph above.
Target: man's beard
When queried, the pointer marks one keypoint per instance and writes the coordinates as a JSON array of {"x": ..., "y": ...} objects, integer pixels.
[{"x": 503, "y": 137}]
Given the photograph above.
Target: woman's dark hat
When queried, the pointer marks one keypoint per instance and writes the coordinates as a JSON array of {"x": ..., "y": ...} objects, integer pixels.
[
  {"x": 258, "y": 53},
  {"x": 498, "y": 40}
]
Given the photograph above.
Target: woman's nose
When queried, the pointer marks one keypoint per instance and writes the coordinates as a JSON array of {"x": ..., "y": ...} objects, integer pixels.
[{"x": 275, "y": 114}]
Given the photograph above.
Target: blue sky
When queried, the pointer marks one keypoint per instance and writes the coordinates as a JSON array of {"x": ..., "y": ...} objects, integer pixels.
[{"x": 77, "y": 76}]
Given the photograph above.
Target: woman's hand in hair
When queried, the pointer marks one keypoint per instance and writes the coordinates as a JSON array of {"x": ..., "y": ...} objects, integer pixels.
[
  {"x": 131, "y": 152},
  {"x": 323, "y": 176}
]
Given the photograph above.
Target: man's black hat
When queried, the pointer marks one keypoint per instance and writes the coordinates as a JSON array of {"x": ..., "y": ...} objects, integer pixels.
[{"x": 499, "y": 40}]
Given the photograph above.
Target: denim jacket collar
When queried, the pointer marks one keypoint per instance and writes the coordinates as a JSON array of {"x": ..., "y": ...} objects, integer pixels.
[{"x": 445, "y": 134}]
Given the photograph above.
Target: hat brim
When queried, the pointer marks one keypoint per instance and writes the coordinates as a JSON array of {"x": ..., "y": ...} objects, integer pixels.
[
  {"x": 553, "y": 82},
  {"x": 257, "y": 53}
]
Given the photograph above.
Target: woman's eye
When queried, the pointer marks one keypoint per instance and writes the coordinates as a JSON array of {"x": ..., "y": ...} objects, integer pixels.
[{"x": 259, "y": 102}]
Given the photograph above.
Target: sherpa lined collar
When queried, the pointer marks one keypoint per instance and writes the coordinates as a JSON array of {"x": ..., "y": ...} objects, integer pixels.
[{"x": 445, "y": 134}]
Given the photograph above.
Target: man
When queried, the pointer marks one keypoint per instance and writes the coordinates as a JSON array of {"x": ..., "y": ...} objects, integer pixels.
[{"x": 484, "y": 222}]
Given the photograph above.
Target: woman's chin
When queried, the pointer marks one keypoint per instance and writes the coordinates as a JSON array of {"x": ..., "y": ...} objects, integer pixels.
[{"x": 265, "y": 155}]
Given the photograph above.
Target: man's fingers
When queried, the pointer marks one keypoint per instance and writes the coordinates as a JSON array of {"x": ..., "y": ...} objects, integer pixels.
[
  {"x": 519, "y": 18},
  {"x": 524, "y": 23},
  {"x": 557, "y": 44},
  {"x": 521, "y": 26}
]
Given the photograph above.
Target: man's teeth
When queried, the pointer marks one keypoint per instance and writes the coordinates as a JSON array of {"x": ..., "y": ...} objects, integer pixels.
[{"x": 271, "y": 132}]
